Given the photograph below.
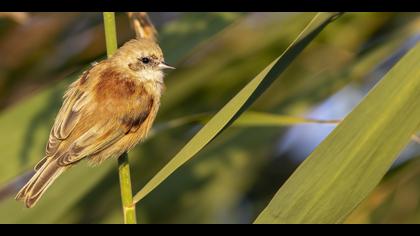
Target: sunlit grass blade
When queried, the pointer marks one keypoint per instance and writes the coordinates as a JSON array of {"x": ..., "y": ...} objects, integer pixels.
[
  {"x": 352, "y": 160},
  {"x": 262, "y": 119},
  {"x": 237, "y": 105},
  {"x": 247, "y": 119}
]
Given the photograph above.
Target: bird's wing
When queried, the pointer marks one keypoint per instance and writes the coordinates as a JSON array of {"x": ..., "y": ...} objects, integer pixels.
[
  {"x": 105, "y": 134},
  {"x": 67, "y": 118},
  {"x": 108, "y": 128},
  {"x": 93, "y": 141}
]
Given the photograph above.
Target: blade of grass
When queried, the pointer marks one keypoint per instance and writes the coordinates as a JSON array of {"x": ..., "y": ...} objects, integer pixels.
[
  {"x": 129, "y": 210},
  {"x": 261, "y": 119},
  {"x": 352, "y": 160},
  {"x": 237, "y": 105}
]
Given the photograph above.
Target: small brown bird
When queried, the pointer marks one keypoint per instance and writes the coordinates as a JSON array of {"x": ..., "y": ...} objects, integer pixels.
[{"x": 105, "y": 113}]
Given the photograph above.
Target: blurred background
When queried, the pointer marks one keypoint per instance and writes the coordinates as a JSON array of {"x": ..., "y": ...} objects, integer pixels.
[{"x": 216, "y": 54}]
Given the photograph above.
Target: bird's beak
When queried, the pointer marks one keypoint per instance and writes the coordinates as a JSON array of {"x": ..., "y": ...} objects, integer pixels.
[{"x": 163, "y": 65}]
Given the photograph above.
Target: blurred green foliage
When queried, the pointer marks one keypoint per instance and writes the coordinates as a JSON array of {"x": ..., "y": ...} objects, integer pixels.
[{"x": 216, "y": 54}]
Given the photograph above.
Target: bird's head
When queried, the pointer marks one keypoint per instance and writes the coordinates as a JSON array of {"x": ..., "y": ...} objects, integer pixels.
[{"x": 144, "y": 57}]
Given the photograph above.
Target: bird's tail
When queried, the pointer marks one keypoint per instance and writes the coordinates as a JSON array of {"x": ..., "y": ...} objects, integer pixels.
[{"x": 39, "y": 183}]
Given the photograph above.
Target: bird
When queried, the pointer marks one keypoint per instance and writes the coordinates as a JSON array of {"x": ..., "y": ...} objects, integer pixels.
[{"x": 107, "y": 111}]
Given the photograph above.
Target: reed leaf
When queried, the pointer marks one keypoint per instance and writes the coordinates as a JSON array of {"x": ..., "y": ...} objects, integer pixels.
[
  {"x": 352, "y": 160},
  {"x": 238, "y": 104}
]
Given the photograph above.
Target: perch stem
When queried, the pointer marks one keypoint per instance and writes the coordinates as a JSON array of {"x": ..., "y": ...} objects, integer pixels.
[{"x": 129, "y": 208}]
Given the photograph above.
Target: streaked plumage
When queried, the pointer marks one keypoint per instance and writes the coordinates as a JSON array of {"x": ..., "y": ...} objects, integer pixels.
[{"x": 105, "y": 113}]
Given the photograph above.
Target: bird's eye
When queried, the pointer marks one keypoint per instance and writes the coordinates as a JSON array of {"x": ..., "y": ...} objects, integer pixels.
[{"x": 145, "y": 60}]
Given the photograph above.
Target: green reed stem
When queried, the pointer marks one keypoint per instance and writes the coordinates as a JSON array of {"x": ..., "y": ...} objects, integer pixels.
[
  {"x": 110, "y": 33},
  {"x": 129, "y": 208}
]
